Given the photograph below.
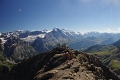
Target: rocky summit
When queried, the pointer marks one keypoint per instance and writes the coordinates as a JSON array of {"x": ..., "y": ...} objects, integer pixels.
[{"x": 61, "y": 63}]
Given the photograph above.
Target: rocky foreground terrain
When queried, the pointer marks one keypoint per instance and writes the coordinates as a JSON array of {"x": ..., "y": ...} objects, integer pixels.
[{"x": 55, "y": 65}]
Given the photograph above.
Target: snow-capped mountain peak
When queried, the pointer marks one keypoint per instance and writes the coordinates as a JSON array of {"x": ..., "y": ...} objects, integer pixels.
[
  {"x": 55, "y": 29},
  {"x": 46, "y": 31}
]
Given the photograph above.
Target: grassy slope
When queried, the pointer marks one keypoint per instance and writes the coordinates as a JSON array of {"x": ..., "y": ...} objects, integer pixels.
[
  {"x": 102, "y": 50},
  {"x": 4, "y": 62},
  {"x": 115, "y": 64},
  {"x": 106, "y": 54}
]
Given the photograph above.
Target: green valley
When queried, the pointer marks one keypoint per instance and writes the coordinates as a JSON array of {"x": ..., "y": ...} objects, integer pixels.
[{"x": 108, "y": 54}]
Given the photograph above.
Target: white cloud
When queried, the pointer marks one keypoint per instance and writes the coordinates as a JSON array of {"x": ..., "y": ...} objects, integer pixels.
[
  {"x": 107, "y": 30},
  {"x": 19, "y": 10},
  {"x": 118, "y": 29}
]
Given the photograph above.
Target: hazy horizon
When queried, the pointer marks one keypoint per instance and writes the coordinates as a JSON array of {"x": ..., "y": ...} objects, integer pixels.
[{"x": 82, "y": 32}]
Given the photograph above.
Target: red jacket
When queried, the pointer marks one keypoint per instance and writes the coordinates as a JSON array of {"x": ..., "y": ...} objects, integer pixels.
[{"x": 67, "y": 55}]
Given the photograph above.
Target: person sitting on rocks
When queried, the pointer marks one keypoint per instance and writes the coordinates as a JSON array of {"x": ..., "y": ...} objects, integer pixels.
[{"x": 67, "y": 55}]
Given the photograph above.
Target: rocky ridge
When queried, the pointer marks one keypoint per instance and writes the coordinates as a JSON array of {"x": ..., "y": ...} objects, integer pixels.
[{"x": 54, "y": 65}]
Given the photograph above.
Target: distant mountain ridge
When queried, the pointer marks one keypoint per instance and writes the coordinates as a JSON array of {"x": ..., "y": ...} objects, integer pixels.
[
  {"x": 117, "y": 43},
  {"x": 24, "y": 34},
  {"x": 45, "y": 40},
  {"x": 30, "y": 36}
]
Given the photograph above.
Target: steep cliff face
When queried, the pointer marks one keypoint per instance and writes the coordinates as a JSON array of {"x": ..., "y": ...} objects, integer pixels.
[
  {"x": 55, "y": 65},
  {"x": 16, "y": 49}
]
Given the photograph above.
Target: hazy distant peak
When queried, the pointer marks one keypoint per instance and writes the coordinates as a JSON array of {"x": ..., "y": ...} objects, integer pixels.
[
  {"x": 79, "y": 33},
  {"x": 92, "y": 32}
]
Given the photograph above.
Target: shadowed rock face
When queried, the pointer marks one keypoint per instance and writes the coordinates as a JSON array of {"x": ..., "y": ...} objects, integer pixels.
[
  {"x": 55, "y": 66},
  {"x": 17, "y": 50},
  {"x": 1, "y": 46},
  {"x": 3, "y": 71}
]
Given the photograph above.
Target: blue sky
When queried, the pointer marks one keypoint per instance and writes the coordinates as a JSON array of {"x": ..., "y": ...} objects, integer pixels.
[{"x": 74, "y": 15}]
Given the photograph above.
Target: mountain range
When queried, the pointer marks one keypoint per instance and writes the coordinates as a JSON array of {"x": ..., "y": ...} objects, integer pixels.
[{"x": 21, "y": 44}]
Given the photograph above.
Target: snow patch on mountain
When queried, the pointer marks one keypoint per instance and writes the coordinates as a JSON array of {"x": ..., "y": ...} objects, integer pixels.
[
  {"x": 3, "y": 40},
  {"x": 67, "y": 32},
  {"x": 46, "y": 31},
  {"x": 41, "y": 35},
  {"x": 20, "y": 31},
  {"x": 31, "y": 38}
]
